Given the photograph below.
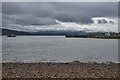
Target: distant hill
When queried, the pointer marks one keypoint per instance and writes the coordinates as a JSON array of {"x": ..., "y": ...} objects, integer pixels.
[
  {"x": 8, "y": 32},
  {"x": 51, "y": 32},
  {"x": 60, "y": 32}
]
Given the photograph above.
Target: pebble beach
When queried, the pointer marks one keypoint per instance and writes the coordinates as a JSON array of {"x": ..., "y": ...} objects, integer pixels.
[{"x": 60, "y": 70}]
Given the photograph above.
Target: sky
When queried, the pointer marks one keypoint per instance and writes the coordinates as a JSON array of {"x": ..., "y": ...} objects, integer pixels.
[
  {"x": 59, "y": 0},
  {"x": 79, "y": 16}
]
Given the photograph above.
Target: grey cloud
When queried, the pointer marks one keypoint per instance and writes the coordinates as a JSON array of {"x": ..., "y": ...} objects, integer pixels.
[
  {"x": 102, "y": 21},
  {"x": 99, "y": 21},
  {"x": 60, "y": 1},
  {"x": 46, "y": 13},
  {"x": 111, "y": 22}
]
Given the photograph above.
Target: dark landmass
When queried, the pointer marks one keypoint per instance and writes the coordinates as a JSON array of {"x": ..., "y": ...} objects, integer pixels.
[
  {"x": 62, "y": 32},
  {"x": 9, "y": 32},
  {"x": 60, "y": 70},
  {"x": 59, "y": 32},
  {"x": 67, "y": 33},
  {"x": 93, "y": 36}
]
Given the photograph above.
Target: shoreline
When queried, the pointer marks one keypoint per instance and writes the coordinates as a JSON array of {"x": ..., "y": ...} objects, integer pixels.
[
  {"x": 60, "y": 70},
  {"x": 94, "y": 37}
]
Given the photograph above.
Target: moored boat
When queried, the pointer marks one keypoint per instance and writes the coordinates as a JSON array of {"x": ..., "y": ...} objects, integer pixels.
[{"x": 12, "y": 35}]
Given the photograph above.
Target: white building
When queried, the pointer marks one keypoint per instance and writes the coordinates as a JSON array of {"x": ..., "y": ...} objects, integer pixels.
[{"x": 107, "y": 34}]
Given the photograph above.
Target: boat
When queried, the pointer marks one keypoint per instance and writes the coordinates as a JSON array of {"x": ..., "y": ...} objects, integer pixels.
[{"x": 12, "y": 35}]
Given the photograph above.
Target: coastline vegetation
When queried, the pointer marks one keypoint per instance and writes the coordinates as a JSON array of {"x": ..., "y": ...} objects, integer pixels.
[{"x": 97, "y": 35}]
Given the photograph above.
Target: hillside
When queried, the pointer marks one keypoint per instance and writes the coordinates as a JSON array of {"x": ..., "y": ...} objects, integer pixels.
[{"x": 8, "y": 32}]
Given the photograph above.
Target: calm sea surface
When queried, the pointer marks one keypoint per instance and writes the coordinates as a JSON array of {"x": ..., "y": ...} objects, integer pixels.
[{"x": 58, "y": 49}]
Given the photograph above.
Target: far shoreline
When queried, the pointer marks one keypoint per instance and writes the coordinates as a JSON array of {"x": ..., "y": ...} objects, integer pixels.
[
  {"x": 67, "y": 36},
  {"x": 92, "y": 37}
]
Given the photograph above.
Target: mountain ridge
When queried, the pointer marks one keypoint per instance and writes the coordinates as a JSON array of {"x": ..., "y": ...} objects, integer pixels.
[{"x": 46, "y": 32}]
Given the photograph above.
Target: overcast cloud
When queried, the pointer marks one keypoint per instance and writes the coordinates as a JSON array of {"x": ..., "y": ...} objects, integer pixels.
[
  {"x": 35, "y": 16},
  {"x": 60, "y": 0}
]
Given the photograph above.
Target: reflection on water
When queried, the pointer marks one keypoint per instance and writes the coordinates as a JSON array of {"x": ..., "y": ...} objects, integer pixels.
[{"x": 58, "y": 49}]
